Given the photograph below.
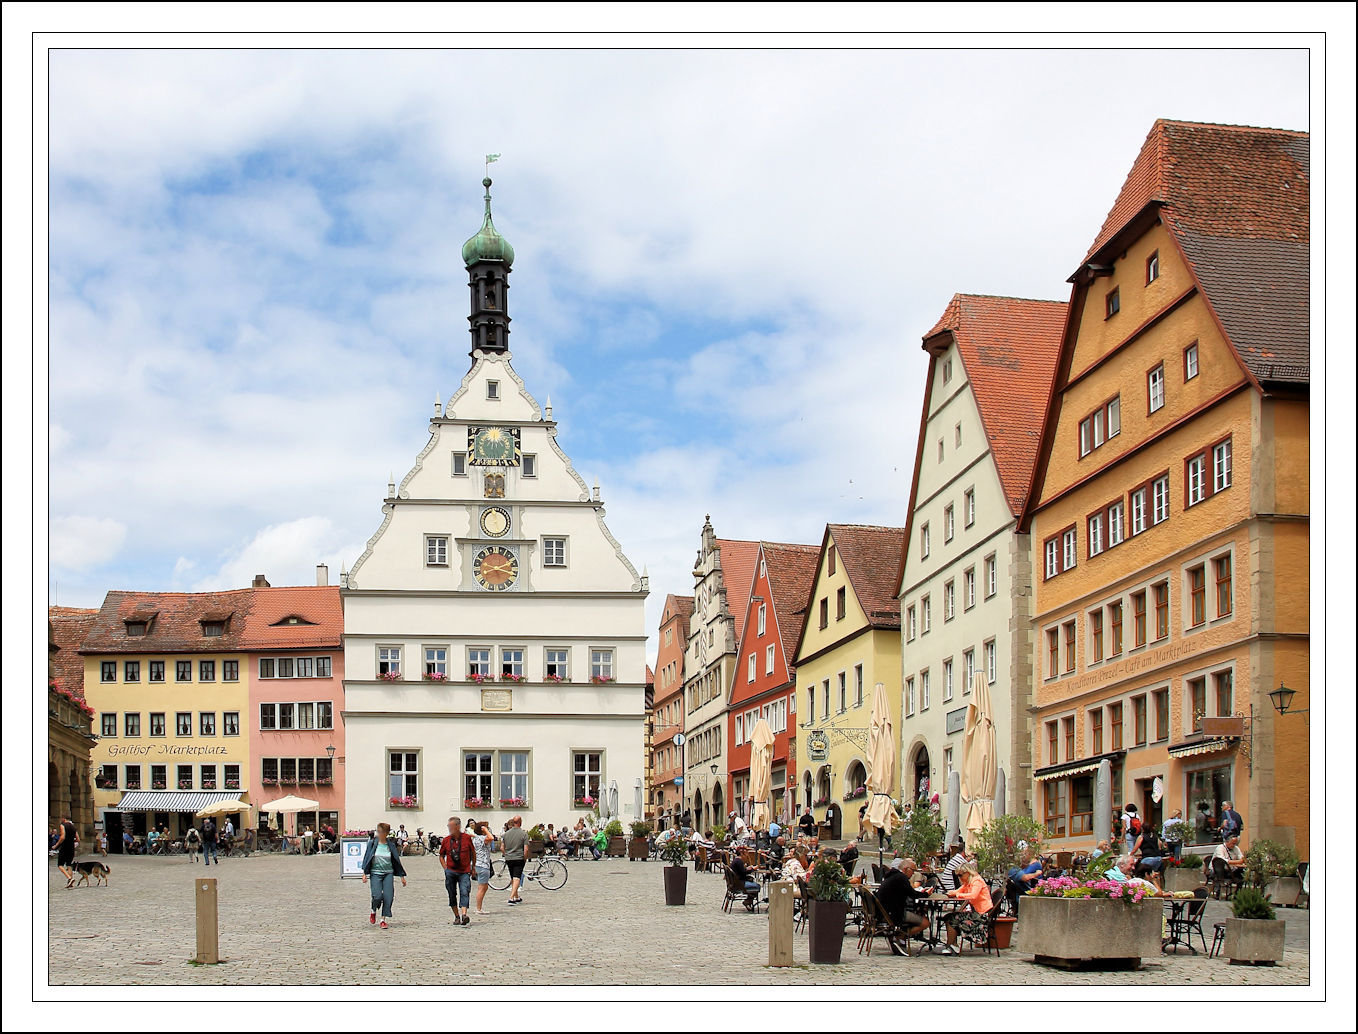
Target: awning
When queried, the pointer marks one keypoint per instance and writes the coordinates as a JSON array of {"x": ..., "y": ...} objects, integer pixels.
[
  {"x": 1188, "y": 750},
  {"x": 174, "y": 800},
  {"x": 1078, "y": 767}
]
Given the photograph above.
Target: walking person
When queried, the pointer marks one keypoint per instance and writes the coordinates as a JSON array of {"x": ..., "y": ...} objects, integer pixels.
[
  {"x": 514, "y": 842},
  {"x": 482, "y": 842},
  {"x": 456, "y": 855},
  {"x": 210, "y": 841},
  {"x": 382, "y": 865},
  {"x": 65, "y": 846}
]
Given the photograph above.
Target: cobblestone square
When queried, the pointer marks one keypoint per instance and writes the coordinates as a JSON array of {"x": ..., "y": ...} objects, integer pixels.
[{"x": 291, "y": 920}]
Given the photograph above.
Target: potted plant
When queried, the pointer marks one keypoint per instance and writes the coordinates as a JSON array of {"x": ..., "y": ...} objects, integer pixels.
[
  {"x": 1273, "y": 866},
  {"x": 537, "y": 842},
  {"x": 1066, "y": 921},
  {"x": 675, "y": 853},
  {"x": 919, "y": 835},
  {"x": 617, "y": 843},
  {"x": 719, "y": 835},
  {"x": 1184, "y": 874},
  {"x": 997, "y": 844},
  {"x": 1254, "y": 935},
  {"x": 638, "y": 847},
  {"x": 828, "y": 909}
]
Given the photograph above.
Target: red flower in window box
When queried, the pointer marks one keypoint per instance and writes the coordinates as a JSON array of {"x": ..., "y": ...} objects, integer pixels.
[
  {"x": 435, "y": 676},
  {"x": 186, "y": 784},
  {"x": 477, "y": 677},
  {"x": 554, "y": 678},
  {"x": 509, "y": 677},
  {"x": 389, "y": 676},
  {"x": 599, "y": 680},
  {"x": 403, "y": 802},
  {"x": 475, "y": 802}
]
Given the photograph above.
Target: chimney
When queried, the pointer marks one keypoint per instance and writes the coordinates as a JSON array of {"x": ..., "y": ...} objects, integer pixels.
[
  {"x": 322, "y": 574},
  {"x": 260, "y": 582}
]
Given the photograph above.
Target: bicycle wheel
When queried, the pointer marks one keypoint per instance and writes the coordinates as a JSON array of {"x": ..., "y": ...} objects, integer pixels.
[
  {"x": 499, "y": 876},
  {"x": 551, "y": 874}
]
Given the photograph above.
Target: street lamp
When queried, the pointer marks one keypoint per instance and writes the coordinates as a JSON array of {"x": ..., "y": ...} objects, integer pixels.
[
  {"x": 1282, "y": 700},
  {"x": 330, "y": 751}
]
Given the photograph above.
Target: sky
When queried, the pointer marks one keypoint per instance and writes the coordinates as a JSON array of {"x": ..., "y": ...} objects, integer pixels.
[{"x": 725, "y": 261}]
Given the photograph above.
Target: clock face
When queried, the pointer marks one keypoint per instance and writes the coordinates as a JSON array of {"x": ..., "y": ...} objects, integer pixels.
[
  {"x": 493, "y": 446},
  {"x": 494, "y": 521},
  {"x": 496, "y": 568}
]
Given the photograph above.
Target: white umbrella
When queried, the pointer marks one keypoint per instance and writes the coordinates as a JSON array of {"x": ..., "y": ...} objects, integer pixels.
[
  {"x": 290, "y": 803},
  {"x": 603, "y": 804},
  {"x": 613, "y": 798},
  {"x": 882, "y": 768},
  {"x": 978, "y": 757},
  {"x": 222, "y": 808},
  {"x": 761, "y": 773},
  {"x": 641, "y": 813}
]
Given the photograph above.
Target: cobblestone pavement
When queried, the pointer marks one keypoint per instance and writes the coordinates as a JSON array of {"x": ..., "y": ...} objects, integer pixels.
[{"x": 290, "y": 920}]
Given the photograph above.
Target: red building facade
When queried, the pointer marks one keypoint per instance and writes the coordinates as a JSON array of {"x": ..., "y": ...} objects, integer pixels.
[
  {"x": 667, "y": 710},
  {"x": 764, "y": 684}
]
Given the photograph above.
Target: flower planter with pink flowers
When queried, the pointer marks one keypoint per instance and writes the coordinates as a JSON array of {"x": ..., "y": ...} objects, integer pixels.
[
  {"x": 1064, "y": 922},
  {"x": 507, "y": 677},
  {"x": 513, "y": 802},
  {"x": 478, "y": 677},
  {"x": 389, "y": 676},
  {"x": 403, "y": 802},
  {"x": 475, "y": 802},
  {"x": 435, "y": 676}
]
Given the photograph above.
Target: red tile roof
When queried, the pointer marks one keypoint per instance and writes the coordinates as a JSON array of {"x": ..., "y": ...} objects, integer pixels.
[
  {"x": 1237, "y": 200},
  {"x": 871, "y": 556},
  {"x": 737, "y": 572},
  {"x": 1009, "y": 348},
  {"x": 67, "y": 628},
  {"x": 791, "y": 570},
  {"x": 175, "y": 627},
  {"x": 319, "y": 605}
]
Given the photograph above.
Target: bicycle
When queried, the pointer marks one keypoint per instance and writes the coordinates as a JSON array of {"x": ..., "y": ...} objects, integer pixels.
[{"x": 549, "y": 873}]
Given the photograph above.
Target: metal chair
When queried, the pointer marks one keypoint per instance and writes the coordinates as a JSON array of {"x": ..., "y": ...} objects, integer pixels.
[
  {"x": 1218, "y": 939},
  {"x": 877, "y": 922},
  {"x": 1187, "y": 921},
  {"x": 735, "y": 891}
]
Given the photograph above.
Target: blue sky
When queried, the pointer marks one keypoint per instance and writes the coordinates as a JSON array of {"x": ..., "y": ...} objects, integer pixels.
[{"x": 725, "y": 261}]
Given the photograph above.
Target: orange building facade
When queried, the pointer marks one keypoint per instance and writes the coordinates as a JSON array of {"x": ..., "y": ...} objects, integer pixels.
[
  {"x": 667, "y": 713},
  {"x": 1169, "y": 516}
]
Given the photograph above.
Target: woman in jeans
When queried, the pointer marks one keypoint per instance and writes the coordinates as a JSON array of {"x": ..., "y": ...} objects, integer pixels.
[
  {"x": 382, "y": 864},
  {"x": 482, "y": 841}
]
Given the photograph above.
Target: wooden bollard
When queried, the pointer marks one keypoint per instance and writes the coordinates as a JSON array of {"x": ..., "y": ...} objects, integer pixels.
[
  {"x": 205, "y": 898},
  {"x": 780, "y": 923}
]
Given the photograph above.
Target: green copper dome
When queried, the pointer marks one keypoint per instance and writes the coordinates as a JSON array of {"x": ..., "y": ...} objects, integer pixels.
[{"x": 487, "y": 245}]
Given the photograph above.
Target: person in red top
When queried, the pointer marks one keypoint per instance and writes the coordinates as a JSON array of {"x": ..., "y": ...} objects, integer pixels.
[
  {"x": 457, "y": 855},
  {"x": 968, "y": 922}
]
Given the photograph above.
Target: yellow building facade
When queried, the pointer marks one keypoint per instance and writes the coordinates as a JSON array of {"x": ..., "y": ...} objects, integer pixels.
[
  {"x": 1169, "y": 516},
  {"x": 850, "y": 641},
  {"x": 173, "y": 724}
]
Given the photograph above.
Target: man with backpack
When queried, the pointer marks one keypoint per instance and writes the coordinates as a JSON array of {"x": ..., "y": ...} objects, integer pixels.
[
  {"x": 210, "y": 841},
  {"x": 1131, "y": 826}
]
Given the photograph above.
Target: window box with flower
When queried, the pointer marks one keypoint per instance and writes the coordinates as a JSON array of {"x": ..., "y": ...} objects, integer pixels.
[
  {"x": 232, "y": 784},
  {"x": 403, "y": 802},
  {"x": 475, "y": 802},
  {"x": 324, "y": 780},
  {"x": 584, "y": 802},
  {"x": 389, "y": 676},
  {"x": 857, "y": 793},
  {"x": 478, "y": 677},
  {"x": 157, "y": 784},
  {"x": 186, "y": 784},
  {"x": 269, "y": 781},
  {"x": 513, "y": 802},
  {"x": 509, "y": 676},
  {"x": 209, "y": 784},
  {"x": 554, "y": 678},
  {"x": 599, "y": 680},
  {"x": 435, "y": 676},
  {"x": 820, "y": 802}
]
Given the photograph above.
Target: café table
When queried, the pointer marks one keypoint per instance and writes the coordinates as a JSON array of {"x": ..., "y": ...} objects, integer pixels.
[{"x": 936, "y": 907}]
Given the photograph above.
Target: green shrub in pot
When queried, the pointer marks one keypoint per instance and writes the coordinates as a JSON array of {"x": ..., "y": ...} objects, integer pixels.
[
  {"x": 829, "y": 881},
  {"x": 1250, "y": 903}
]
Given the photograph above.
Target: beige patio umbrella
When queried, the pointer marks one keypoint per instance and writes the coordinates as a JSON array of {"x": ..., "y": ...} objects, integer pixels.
[
  {"x": 881, "y": 814},
  {"x": 761, "y": 773},
  {"x": 978, "y": 757},
  {"x": 222, "y": 808},
  {"x": 291, "y": 804}
]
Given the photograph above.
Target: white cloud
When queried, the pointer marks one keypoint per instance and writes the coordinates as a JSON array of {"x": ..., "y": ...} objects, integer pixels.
[
  {"x": 286, "y": 554},
  {"x": 79, "y": 544}
]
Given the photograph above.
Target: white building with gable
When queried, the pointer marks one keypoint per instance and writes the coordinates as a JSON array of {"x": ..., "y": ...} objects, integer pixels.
[{"x": 494, "y": 632}]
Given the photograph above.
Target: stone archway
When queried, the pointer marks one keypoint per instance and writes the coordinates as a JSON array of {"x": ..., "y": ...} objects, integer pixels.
[
  {"x": 718, "y": 809},
  {"x": 808, "y": 789},
  {"x": 855, "y": 775},
  {"x": 697, "y": 809},
  {"x": 918, "y": 769},
  {"x": 823, "y": 784}
]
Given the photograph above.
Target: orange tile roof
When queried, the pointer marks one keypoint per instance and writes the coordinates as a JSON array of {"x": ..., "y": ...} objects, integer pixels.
[
  {"x": 871, "y": 556},
  {"x": 176, "y": 625},
  {"x": 317, "y": 604},
  {"x": 67, "y": 628},
  {"x": 1237, "y": 200},
  {"x": 737, "y": 572},
  {"x": 791, "y": 570},
  {"x": 1009, "y": 348}
]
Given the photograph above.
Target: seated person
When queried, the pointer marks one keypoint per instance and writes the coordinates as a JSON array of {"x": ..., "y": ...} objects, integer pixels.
[
  {"x": 849, "y": 856},
  {"x": 795, "y": 869},
  {"x": 129, "y": 844},
  {"x": 1025, "y": 874},
  {"x": 743, "y": 873},
  {"x": 1100, "y": 849},
  {"x": 969, "y": 922},
  {"x": 777, "y": 852},
  {"x": 699, "y": 839},
  {"x": 1229, "y": 853},
  {"x": 959, "y": 858},
  {"x": 563, "y": 842},
  {"x": 1125, "y": 872},
  {"x": 896, "y": 894}
]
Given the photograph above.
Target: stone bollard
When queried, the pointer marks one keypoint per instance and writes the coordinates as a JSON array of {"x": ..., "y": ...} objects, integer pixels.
[
  {"x": 780, "y": 923},
  {"x": 205, "y": 900}
]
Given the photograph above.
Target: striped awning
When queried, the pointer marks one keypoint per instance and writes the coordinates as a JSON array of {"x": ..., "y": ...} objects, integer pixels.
[
  {"x": 1077, "y": 770},
  {"x": 1188, "y": 750},
  {"x": 1078, "y": 767},
  {"x": 175, "y": 800}
]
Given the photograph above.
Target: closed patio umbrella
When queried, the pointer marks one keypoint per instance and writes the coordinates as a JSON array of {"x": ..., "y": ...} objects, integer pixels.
[
  {"x": 761, "y": 773},
  {"x": 882, "y": 769},
  {"x": 978, "y": 757},
  {"x": 638, "y": 803},
  {"x": 603, "y": 805}
]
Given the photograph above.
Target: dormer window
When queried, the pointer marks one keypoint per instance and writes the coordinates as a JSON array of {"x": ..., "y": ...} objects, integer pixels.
[
  {"x": 135, "y": 628},
  {"x": 213, "y": 628},
  {"x": 291, "y": 619}
]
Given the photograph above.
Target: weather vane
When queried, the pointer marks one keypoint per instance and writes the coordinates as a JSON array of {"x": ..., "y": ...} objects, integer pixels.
[{"x": 490, "y": 158}]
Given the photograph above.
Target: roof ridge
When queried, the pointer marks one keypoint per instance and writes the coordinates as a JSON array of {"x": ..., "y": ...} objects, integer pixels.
[{"x": 1243, "y": 127}]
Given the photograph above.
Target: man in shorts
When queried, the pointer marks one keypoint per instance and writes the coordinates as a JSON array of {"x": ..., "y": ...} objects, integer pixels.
[
  {"x": 66, "y": 850},
  {"x": 514, "y": 841}
]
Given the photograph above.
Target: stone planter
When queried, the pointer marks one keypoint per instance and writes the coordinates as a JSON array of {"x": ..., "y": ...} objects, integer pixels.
[
  {"x": 1284, "y": 890},
  {"x": 676, "y": 884},
  {"x": 1254, "y": 941},
  {"x": 1069, "y": 931},
  {"x": 825, "y": 931},
  {"x": 1182, "y": 879}
]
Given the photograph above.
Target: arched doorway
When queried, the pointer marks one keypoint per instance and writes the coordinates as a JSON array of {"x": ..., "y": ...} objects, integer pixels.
[
  {"x": 855, "y": 777},
  {"x": 697, "y": 809},
  {"x": 807, "y": 796},
  {"x": 718, "y": 810},
  {"x": 823, "y": 784},
  {"x": 53, "y": 793},
  {"x": 920, "y": 768}
]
